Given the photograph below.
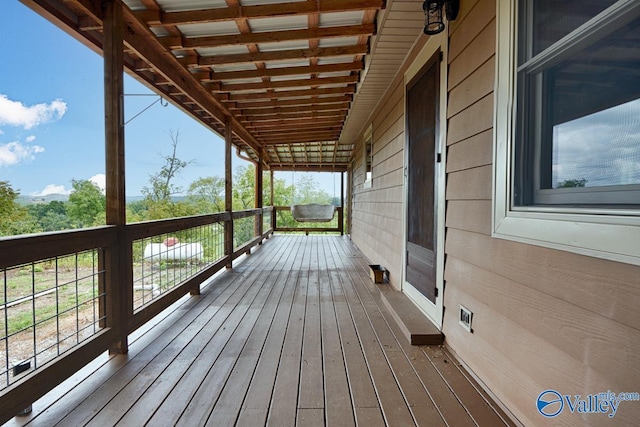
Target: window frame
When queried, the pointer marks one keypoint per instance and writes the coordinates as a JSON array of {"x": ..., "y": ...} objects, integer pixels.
[
  {"x": 532, "y": 140},
  {"x": 368, "y": 157},
  {"x": 599, "y": 232}
]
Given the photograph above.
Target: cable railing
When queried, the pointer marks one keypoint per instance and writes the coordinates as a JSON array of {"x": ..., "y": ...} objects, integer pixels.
[
  {"x": 244, "y": 231},
  {"x": 47, "y": 307},
  {"x": 163, "y": 261},
  {"x": 267, "y": 218},
  {"x": 66, "y": 297}
]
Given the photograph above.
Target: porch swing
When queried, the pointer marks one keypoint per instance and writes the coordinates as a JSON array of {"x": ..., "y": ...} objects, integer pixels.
[{"x": 312, "y": 212}]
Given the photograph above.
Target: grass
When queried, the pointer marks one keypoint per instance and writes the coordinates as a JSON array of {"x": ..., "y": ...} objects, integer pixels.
[
  {"x": 41, "y": 276},
  {"x": 22, "y": 316},
  {"x": 74, "y": 280}
]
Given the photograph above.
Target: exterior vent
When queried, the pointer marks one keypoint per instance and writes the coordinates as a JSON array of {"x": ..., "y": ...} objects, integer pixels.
[{"x": 464, "y": 318}]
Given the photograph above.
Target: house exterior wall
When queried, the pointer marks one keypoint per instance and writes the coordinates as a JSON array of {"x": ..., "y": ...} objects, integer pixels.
[
  {"x": 377, "y": 213},
  {"x": 543, "y": 318}
]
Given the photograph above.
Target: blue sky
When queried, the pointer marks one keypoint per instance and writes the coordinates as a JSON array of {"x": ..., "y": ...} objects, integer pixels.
[{"x": 51, "y": 116}]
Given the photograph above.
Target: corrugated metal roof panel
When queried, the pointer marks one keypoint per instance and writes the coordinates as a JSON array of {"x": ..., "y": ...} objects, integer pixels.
[
  {"x": 181, "y": 5},
  {"x": 289, "y": 78},
  {"x": 285, "y": 45},
  {"x": 233, "y": 67},
  {"x": 337, "y": 19},
  {"x": 240, "y": 81},
  {"x": 208, "y": 29},
  {"x": 160, "y": 31},
  {"x": 286, "y": 64},
  {"x": 278, "y": 24},
  {"x": 222, "y": 50},
  {"x": 135, "y": 4},
  {"x": 335, "y": 74},
  {"x": 335, "y": 60},
  {"x": 339, "y": 41},
  {"x": 259, "y": 2}
]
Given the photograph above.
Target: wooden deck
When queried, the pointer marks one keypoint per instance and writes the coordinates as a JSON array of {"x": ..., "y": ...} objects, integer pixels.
[{"x": 293, "y": 335}]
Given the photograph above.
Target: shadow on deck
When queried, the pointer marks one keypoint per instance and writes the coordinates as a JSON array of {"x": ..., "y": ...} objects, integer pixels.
[{"x": 293, "y": 335}]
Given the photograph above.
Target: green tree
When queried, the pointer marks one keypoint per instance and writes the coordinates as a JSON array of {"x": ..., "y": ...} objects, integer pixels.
[
  {"x": 572, "y": 183},
  {"x": 87, "y": 204},
  {"x": 168, "y": 209},
  {"x": 15, "y": 218},
  {"x": 51, "y": 216},
  {"x": 7, "y": 199},
  {"x": 243, "y": 196},
  {"x": 158, "y": 195},
  {"x": 53, "y": 221},
  {"x": 207, "y": 194},
  {"x": 161, "y": 187},
  {"x": 137, "y": 211},
  {"x": 306, "y": 191},
  {"x": 244, "y": 188}
]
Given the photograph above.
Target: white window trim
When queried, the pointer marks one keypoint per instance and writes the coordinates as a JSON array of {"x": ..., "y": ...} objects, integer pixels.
[
  {"x": 368, "y": 176},
  {"x": 604, "y": 234}
]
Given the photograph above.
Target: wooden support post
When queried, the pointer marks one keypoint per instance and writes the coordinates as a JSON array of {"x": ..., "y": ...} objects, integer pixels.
[
  {"x": 228, "y": 192},
  {"x": 341, "y": 213},
  {"x": 118, "y": 258},
  {"x": 259, "y": 197},
  {"x": 272, "y": 195},
  {"x": 273, "y": 212},
  {"x": 349, "y": 197}
]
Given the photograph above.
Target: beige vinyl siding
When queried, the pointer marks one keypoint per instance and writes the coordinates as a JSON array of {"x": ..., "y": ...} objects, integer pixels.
[
  {"x": 378, "y": 211},
  {"x": 543, "y": 319}
]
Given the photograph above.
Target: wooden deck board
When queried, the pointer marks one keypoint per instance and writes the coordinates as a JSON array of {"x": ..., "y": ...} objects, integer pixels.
[
  {"x": 389, "y": 395},
  {"x": 255, "y": 405},
  {"x": 282, "y": 411},
  {"x": 448, "y": 399},
  {"x": 292, "y": 336},
  {"x": 338, "y": 404}
]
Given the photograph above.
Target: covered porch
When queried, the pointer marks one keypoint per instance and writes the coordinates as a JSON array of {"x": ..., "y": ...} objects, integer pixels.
[{"x": 295, "y": 334}]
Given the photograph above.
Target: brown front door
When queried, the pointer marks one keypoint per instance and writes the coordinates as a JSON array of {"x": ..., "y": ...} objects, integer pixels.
[{"x": 422, "y": 118}]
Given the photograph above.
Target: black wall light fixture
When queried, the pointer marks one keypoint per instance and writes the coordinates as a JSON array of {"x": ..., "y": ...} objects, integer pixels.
[{"x": 433, "y": 14}]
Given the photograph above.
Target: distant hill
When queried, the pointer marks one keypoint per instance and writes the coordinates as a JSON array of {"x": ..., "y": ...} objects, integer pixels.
[{"x": 30, "y": 200}]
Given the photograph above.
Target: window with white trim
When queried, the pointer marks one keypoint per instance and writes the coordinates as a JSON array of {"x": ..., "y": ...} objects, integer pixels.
[{"x": 568, "y": 124}]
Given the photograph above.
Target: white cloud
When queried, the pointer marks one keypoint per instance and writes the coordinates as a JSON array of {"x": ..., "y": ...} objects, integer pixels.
[
  {"x": 14, "y": 152},
  {"x": 31, "y": 138},
  {"x": 15, "y": 113},
  {"x": 100, "y": 180},
  {"x": 601, "y": 148},
  {"x": 52, "y": 189}
]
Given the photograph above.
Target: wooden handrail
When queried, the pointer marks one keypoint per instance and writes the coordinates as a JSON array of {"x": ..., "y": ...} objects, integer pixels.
[
  {"x": 19, "y": 250},
  {"x": 245, "y": 213},
  {"x": 140, "y": 230}
]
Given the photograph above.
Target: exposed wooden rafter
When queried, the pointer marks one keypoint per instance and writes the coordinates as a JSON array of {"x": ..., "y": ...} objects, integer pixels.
[
  {"x": 283, "y": 55},
  {"x": 159, "y": 18},
  {"x": 294, "y": 77}
]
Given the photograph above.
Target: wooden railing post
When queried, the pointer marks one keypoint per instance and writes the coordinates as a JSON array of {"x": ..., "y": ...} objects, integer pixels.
[
  {"x": 341, "y": 213},
  {"x": 119, "y": 275},
  {"x": 228, "y": 195},
  {"x": 273, "y": 204},
  {"x": 259, "y": 197}
]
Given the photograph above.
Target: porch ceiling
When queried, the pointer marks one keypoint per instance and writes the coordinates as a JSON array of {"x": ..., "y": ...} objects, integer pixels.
[{"x": 295, "y": 79}]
